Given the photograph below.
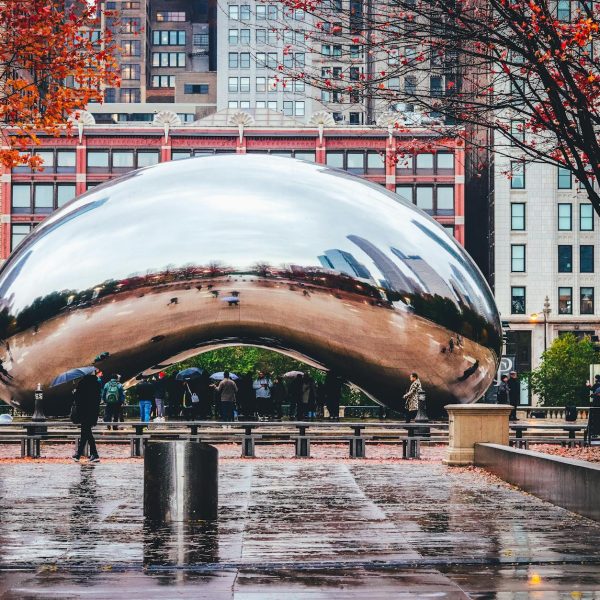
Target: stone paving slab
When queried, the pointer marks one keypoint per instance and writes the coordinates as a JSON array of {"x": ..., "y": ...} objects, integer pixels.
[{"x": 292, "y": 529}]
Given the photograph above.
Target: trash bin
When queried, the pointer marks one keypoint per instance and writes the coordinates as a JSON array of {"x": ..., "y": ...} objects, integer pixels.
[{"x": 570, "y": 413}]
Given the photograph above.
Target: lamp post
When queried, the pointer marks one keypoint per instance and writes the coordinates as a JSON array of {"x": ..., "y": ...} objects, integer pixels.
[{"x": 546, "y": 311}]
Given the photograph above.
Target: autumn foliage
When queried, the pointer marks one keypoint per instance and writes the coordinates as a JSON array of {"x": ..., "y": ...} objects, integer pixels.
[
  {"x": 528, "y": 70},
  {"x": 51, "y": 65}
]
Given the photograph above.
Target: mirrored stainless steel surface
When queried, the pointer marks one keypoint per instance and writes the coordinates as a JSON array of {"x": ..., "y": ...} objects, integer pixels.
[{"x": 188, "y": 255}]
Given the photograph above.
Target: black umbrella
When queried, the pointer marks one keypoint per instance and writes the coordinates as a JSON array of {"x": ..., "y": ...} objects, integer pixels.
[
  {"x": 189, "y": 374},
  {"x": 72, "y": 374}
]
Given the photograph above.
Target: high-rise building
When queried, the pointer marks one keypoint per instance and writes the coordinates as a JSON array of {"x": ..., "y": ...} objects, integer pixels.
[{"x": 547, "y": 241}]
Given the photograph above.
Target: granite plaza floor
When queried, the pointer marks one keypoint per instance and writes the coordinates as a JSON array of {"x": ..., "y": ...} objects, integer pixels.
[{"x": 292, "y": 529}]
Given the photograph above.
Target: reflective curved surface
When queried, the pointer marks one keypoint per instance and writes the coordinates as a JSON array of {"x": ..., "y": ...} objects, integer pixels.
[{"x": 188, "y": 255}]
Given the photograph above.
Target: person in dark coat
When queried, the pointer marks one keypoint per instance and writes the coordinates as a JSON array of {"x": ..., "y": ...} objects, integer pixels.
[
  {"x": 86, "y": 399},
  {"x": 333, "y": 394},
  {"x": 295, "y": 393},
  {"x": 514, "y": 393},
  {"x": 278, "y": 397},
  {"x": 503, "y": 394}
]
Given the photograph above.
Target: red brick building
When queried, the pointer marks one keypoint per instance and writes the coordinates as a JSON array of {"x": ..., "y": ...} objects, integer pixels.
[{"x": 432, "y": 176}]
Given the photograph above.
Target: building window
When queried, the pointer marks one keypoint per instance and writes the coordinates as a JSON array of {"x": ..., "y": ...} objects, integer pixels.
[
  {"x": 64, "y": 193},
  {"x": 233, "y": 60},
  {"x": 65, "y": 161},
  {"x": 288, "y": 108},
  {"x": 586, "y": 300},
  {"x": 517, "y": 131},
  {"x": 404, "y": 163},
  {"x": 445, "y": 162},
  {"x": 299, "y": 108},
  {"x": 244, "y": 36},
  {"x": 424, "y": 198},
  {"x": 517, "y": 258},
  {"x": 98, "y": 160},
  {"x": 565, "y": 217},
  {"x": 170, "y": 16},
  {"x": 376, "y": 163},
  {"x": 261, "y": 11},
  {"x": 168, "y": 38},
  {"x": 43, "y": 198},
  {"x": 232, "y": 104},
  {"x": 200, "y": 39},
  {"x": 272, "y": 11},
  {"x": 18, "y": 234},
  {"x": 130, "y": 72},
  {"x": 565, "y": 259},
  {"x": 130, "y": 25},
  {"x": 195, "y": 88},
  {"x": 586, "y": 217},
  {"x": 517, "y": 300},
  {"x": 244, "y": 84},
  {"x": 517, "y": 216},
  {"x": 586, "y": 258},
  {"x": 122, "y": 159},
  {"x": 517, "y": 179},
  {"x": 163, "y": 81},
  {"x": 261, "y": 36},
  {"x": 234, "y": 36},
  {"x": 245, "y": 12},
  {"x": 406, "y": 191},
  {"x": 272, "y": 60},
  {"x": 305, "y": 155},
  {"x": 425, "y": 162},
  {"x": 564, "y": 179},
  {"x": 130, "y": 48},
  {"x": 565, "y": 301},
  {"x": 335, "y": 160},
  {"x": 232, "y": 85},
  {"x": 563, "y": 10},
  {"x": 234, "y": 11},
  {"x": 445, "y": 200},
  {"x": 272, "y": 104},
  {"x": 261, "y": 84},
  {"x": 356, "y": 162},
  {"x": 130, "y": 95},
  {"x": 244, "y": 60},
  {"x": 21, "y": 198},
  {"x": 147, "y": 158},
  {"x": 168, "y": 59}
]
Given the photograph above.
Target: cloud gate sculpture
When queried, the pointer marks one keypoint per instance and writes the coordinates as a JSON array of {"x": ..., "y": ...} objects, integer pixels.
[{"x": 182, "y": 257}]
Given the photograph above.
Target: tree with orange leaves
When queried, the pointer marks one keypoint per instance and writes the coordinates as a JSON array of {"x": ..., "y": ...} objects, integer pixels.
[
  {"x": 525, "y": 74},
  {"x": 53, "y": 62}
]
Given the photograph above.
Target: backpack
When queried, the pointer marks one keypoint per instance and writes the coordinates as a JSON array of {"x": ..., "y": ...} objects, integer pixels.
[{"x": 112, "y": 392}]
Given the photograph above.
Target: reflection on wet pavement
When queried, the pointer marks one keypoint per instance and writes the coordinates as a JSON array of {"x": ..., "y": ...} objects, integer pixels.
[{"x": 292, "y": 530}]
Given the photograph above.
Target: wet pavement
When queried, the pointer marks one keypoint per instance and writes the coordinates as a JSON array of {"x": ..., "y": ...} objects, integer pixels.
[{"x": 289, "y": 529}]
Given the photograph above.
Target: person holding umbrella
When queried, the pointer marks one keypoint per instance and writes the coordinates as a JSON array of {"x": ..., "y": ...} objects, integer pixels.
[{"x": 85, "y": 411}]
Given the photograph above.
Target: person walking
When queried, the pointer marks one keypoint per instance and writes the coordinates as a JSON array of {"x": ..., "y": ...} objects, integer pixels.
[
  {"x": 160, "y": 395},
  {"x": 411, "y": 398},
  {"x": 503, "y": 393},
  {"x": 113, "y": 397},
  {"x": 514, "y": 393},
  {"x": 86, "y": 408},
  {"x": 226, "y": 391},
  {"x": 145, "y": 393},
  {"x": 262, "y": 387},
  {"x": 333, "y": 395}
]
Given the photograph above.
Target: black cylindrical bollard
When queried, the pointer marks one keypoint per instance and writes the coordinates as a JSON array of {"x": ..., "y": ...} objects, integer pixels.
[{"x": 180, "y": 481}]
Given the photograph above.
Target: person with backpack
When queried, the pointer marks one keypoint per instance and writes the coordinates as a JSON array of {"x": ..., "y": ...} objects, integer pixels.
[{"x": 113, "y": 395}]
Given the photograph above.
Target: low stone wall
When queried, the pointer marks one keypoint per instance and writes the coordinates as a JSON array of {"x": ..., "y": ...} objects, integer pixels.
[{"x": 572, "y": 484}]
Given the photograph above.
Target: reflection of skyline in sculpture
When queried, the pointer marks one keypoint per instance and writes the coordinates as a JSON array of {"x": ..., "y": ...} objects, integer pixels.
[
  {"x": 430, "y": 280},
  {"x": 393, "y": 277},
  {"x": 338, "y": 260},
  {"x": 94, "y": 280}
]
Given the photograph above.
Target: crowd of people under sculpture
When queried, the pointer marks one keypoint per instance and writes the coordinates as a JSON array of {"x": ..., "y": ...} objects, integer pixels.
[{"x": 231, "y": 398}]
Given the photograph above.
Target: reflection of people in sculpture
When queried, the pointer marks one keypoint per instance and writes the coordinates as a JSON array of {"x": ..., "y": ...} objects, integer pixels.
[
  {"x": 412, "y": 397},
  {"x": 468, "y": 372}
]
